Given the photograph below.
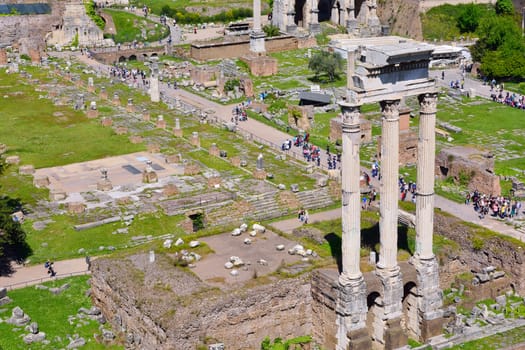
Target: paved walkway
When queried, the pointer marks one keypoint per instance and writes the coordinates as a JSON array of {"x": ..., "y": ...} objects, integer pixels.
[{"x": 24, "y": 276}]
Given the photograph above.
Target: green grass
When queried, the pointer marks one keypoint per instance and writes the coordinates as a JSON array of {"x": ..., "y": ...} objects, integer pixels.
[
  {"x": 60, "y": 241},
  {"x": 51, "y": 312},
  {"x": 46, "y": 135},
  {"x": 495, "y": 341},
  {"x": 157, "y": 5},
  {"x": 131, "y": 27}
]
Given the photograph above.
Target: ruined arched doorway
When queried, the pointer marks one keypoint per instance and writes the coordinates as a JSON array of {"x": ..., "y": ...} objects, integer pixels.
[
  {"x": 122, "y": 59},
  {"x": 357, "y": 6},
  {"x": 374, "y": 325},
  {"x": 132, "y": 58},
  {"x": 409, "y": 320},
  {"x": 325, "y": 10},
  {"x": 299, "y": 14}
]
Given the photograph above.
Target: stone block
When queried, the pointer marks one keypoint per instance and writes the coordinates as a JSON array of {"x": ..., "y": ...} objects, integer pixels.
[
  {"x": 76, "y": 207},
  {"x": 214, "y": 182},
  {"x": 26, "y": 170},
  {"x": 394, "y": 335},
  {"x": 116, "y": 100},
  {"x": 92, "y": 113},
  {"x": 259, "y": 174},
  {"x": 322, "y": 181},
  {"x": 195, "y": 141},
  {"x": 103, "y": 94},
  {"x": 106, "y": 121},
  {"x": 57, "y": 195},
  {"x": 173, "y": 158},
  {"x": 153, "y": 148},
  {"x": 359, "y": 339},
  {"x": 191, "y": 169},
  {"x": 3, "y": 292},
  {"x": 170, "y": 190},
  {"x": 236, "y": 161},
  {"x": 12, "y": 160},
  {"x": 121, "y": 130},
  {"x": 149, "y": 176},
  {"x": 177, "y": 132},
  {"x": 104, "y": 185},
  {"x": 214, "y": 150},
  {"x": 135, "y": 139},
  {"x": 161, "y": 123},
  {"x": 3, "y": 57},
  {"x": 146, "y": 116}
]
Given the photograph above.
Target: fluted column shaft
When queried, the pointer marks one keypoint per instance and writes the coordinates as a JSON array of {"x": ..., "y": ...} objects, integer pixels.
[
  {"x": 351, "y": 195},
  {"x": 426, "y": 150},
  {"x": 388, "y": 204},
  {"x": 257, "y": 15}
]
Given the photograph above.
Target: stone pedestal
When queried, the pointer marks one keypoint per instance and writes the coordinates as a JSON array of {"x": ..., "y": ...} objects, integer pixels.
[
  {"x": 57, "y": 195},
  {"x": 387, "y": 328},
  {"x": 236, "y": 161},
  {"x": 146, "y": 116},
  {"x": 92, "y": 113},
  {"x": 154, "y": 89},
  {"x": 214, "y": 182},
  {"x": 90, "y": 85},
  {"x": 429, "y": 299},
  {"x": 177, "y": 132},
  {"x": 3, "y": 57},
  {"x": 149, "y": 176},
  {"x": 116, "y": 100},
  {"x": 191, "y": 169},
  {"x": 76, "y": 207},
  {"x": 106, "y": 121},
  {"x": 214, "y": 150},
  {"x": 351, "y": 312},
  {"x": 121, "y": 130},
  {"x": 259, "y": 174},
  {"x": 195, "y": 141},
  {"x": 104, "y": 185},
  {"x": 170, "y": 190},
  {"x": 161, "y": 123},
  {"x": 257, "y": 42},
  {"x": 103, "y": 94},
  {"x": 130, "y": 107}
]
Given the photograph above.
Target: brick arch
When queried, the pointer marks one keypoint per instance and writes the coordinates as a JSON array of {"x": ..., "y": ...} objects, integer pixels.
[
  {"x": 409, "y": 319},
  {"x": 122, "y": 59}
]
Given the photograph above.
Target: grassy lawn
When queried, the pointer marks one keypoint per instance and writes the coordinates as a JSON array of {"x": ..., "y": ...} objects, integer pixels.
[
  {"x": 52, "y": 313},
  {"x": 46, "y": 135},
  {"x": 131, "y": 27},
  {"x": 157, "y": 5},
  {"x": 60, "y": 241},
  {"x": 496, "y": 341}
]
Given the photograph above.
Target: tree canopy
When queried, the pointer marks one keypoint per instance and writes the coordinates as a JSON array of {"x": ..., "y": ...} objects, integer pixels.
[
  {"x": 504, "y": 7},
  {"x": 469, "y": 18},
  {"x": 329, "y": 63}
]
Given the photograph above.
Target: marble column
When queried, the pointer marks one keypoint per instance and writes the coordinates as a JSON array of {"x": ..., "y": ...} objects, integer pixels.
[
  {"x": 387, "y": 327},
  {"x": 154, "y": 82},
  {"x": 351, "y": 306},
  {"x": 257, "y": 35},
  {"x": 351, "y": 21},
  {"x": 429, "y": 295},
  {"x": 389, "y": 189},
  {"x": 291, "y": 27}
]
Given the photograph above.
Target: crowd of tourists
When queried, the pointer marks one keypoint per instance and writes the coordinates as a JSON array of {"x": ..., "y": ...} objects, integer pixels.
[
  {"x": 133, "y": 76},
  {"x": 497, "y": 206},
  {"x": 512, "y": 100}
]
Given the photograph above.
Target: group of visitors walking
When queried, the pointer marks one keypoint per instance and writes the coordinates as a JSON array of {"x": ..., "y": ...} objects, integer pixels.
[{"x": 497, "y": 206}]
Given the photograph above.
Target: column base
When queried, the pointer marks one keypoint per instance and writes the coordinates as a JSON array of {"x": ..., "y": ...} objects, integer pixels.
[
  {"x": 291, "y": 29},
  {"x": 359, "y": 339},
  {"x": 395, "y": 336},
  {"x": 431, "y": 328},
  {"x": 351, "y": 25},
  {"x": 315, "y": 28}
]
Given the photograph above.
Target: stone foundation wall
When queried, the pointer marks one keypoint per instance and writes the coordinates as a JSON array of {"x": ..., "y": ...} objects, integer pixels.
[
  {"x": 181, "y": 311},
  {"x": 203, "y": 52}
]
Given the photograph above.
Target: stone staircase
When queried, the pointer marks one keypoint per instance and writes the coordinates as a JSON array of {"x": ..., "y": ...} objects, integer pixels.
[
  {"x": 266, "y": 207},
  {"x": 315, "y": 199}
]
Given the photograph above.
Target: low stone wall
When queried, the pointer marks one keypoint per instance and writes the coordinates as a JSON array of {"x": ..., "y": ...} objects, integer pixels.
[
  {"x": 204, "y": 51},
  {"x": 157, "y": 306}
]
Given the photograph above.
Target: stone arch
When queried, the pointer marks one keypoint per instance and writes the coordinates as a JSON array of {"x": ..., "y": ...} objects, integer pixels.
[
  {"x": 154, "y": 54},
  {"x": 122, "y": 59},
  {"x": 357, "y": 6},
  {"x": 325, "y": 10},
  {"x": 374, "y": 304},
  {"x": 299, "y": 18},
  {"x": 132, "y": 58},
  {"x": 409, "y": 319}
]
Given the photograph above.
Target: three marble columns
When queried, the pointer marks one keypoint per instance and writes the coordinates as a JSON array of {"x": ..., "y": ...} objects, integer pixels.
[{"x": 352, "y": 304}]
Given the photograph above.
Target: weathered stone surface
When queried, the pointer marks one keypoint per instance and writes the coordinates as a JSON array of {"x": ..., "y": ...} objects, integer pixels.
[
  {"x": 240, "y": 318},
  {"x": 76, "y": 343}
]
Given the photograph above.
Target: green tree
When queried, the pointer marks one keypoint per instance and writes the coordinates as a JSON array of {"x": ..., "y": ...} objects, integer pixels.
[
  {"x": 468, "y": 20},
  {"x": 504, "y": 7},
  {"x": 329, "y": 63},
  {"x": 13, "y": 246},
  {"x": 271, "y": 30}
]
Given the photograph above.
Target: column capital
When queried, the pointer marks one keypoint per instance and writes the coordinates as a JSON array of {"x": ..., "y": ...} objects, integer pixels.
[
  {"x": 350, "y": 115},
  {"x": 428, "y": 103},
  {"x": 390, "y": 109}
]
